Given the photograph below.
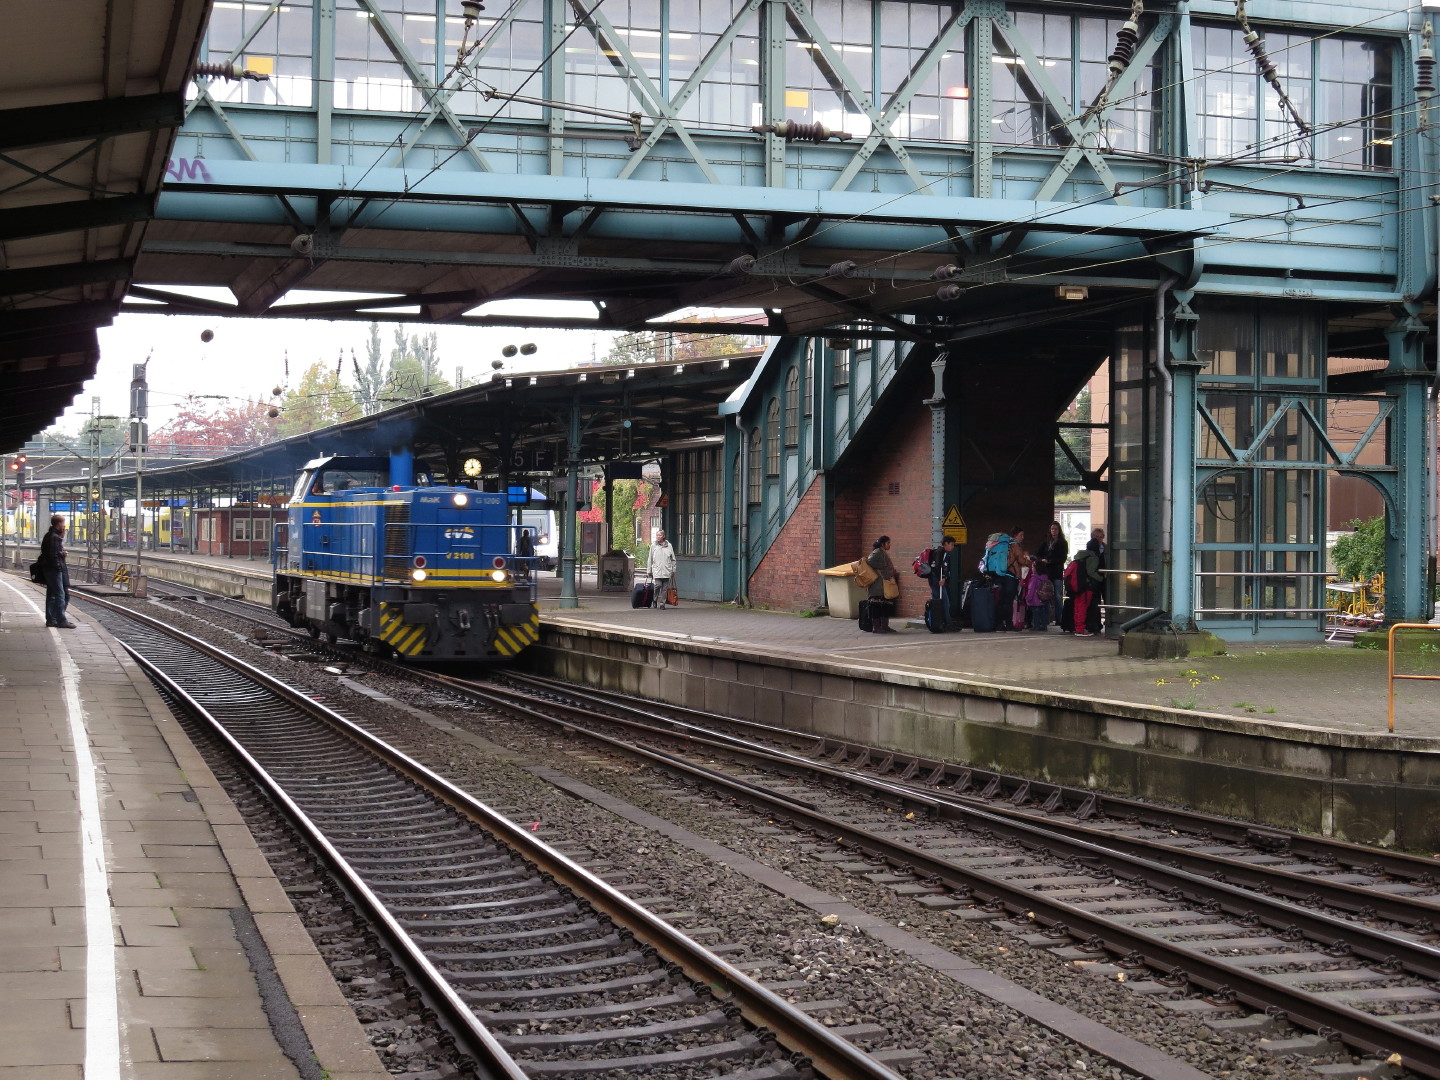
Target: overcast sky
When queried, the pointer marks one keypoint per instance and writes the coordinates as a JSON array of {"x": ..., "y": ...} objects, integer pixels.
[{"x": 246, "y": 359}]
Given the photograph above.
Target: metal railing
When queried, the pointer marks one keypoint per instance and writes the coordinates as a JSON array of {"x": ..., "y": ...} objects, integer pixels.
[
  {"x": 1264, "y": 610},
  {"x": 1390, "y": 677}
]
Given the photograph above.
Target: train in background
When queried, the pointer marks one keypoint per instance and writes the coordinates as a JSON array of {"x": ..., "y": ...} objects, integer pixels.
[{"x": 427, "y": 572}]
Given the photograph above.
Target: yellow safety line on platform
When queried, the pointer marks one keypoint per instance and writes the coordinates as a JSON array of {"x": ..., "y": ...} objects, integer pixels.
[{"x": 1391, "y": 677}]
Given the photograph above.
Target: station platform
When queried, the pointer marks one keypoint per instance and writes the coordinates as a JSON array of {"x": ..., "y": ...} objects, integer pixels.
[
  {"x": 1326, "y": 686},
  {"x": 142, "y": 934}
]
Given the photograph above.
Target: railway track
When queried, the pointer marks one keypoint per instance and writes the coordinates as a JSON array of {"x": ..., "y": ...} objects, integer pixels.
[
  {"x": 1329, "y": 936},
  {"x": 536, "y": 966}
]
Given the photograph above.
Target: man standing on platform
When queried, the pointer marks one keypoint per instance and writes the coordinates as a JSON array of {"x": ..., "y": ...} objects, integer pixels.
[
  {"x": 662, "y": 567},
  {"x": 57, "y": 577}
]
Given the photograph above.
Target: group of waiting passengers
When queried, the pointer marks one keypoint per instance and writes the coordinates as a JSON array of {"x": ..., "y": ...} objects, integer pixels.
[{"x": 1026, "y": 591}]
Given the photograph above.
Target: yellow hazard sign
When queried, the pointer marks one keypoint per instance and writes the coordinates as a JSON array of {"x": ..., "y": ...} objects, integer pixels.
[
  {"x": 954, "y": 525},
  {"x": 122, "y": 577}
]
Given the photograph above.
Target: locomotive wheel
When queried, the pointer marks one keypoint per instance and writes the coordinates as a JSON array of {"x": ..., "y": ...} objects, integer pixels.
[{"x": 312, "y": 630}]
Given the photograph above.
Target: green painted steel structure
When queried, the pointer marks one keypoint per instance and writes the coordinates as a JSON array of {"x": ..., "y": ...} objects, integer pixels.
[{"x": 926, "y": 176}]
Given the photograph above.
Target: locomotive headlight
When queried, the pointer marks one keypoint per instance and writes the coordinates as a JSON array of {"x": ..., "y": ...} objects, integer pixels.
[
  {"x": 499, "y": 575},
  {"x": 544, "y": 538},
  {"x": 418, "y": 575},
  {"x": 460, "y": 499}
]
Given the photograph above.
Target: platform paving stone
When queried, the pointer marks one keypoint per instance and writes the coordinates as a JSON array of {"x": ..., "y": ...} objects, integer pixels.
[{"x": 188, "y": 1004}]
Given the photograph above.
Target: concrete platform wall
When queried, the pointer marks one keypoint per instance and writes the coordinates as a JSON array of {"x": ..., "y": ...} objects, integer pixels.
[{"x": 1363, "y": 788}]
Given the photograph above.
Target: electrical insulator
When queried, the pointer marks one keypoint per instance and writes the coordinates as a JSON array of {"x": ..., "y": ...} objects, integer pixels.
[
  {"x": 740, "y": 266},
  {"x": 790, "y": 131},
  {"x": 1425, "y": 71},
  {"x": 945, "y": 273},
  {"x": 845, "y": 268},
  {"x": 949, "y": 292},
  {"x": 509, "y": 350},
  {"x": 1125, "y": 40},
  {"x": 527, "y": 349}
]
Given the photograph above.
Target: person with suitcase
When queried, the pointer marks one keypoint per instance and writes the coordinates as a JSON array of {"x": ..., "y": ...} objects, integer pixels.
[
  {"x": 937, "y": 611},
  {"x": 885, "y": 589},
  {"x": 662, "y": 568}
]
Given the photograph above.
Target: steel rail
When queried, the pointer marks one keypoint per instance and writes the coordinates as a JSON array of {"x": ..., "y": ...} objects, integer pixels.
[
  {"x": 1304, "y": 888},
  {"x": 831, "y": 1055},
  {"x": 1369, "y": 1033},
  {"x": 1054, "y": 797},
  {"x": 494, "y": 1062}
]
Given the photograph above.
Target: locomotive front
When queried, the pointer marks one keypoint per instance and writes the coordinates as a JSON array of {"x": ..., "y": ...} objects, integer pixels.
[{"x": 427, "y": 572}]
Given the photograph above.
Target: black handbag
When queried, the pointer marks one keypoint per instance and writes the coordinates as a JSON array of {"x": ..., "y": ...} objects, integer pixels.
[{"x": 37, "y": 573}]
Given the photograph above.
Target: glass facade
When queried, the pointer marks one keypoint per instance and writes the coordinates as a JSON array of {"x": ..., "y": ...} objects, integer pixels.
[
  {"x": 1259, "y": 509},
  {"x": 792, "y": 408},
  {"x": 1133, "y": 462},
  {"x": 840, "y": 57},
  {"x": 1339, "y": 84}
]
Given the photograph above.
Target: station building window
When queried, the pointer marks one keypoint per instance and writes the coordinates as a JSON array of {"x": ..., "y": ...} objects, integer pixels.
[
  {"x": 1341, "y": 84},
  {"x": 696, "y": 508},
  {"x": 772, "y": 438},
  {"x": 757, "y": 462},
  {"x": 792, "y": 408}
]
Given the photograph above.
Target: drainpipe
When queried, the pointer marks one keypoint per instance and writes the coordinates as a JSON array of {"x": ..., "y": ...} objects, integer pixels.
[
  {"x": 1167, "y": 462},
  {"x": 743, "y": 596}
]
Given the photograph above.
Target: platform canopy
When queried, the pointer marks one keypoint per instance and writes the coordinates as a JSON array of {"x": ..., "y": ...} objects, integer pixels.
[
  {"x": 94, "y": 90},
  {"x": 514, "y": 425}
]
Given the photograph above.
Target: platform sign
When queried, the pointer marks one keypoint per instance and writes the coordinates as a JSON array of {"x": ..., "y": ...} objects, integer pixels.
[{"x": 954, "y": 525}]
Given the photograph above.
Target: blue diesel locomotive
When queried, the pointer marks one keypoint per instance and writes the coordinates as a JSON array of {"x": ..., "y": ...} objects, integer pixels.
[{"x": 427, "y": 572}]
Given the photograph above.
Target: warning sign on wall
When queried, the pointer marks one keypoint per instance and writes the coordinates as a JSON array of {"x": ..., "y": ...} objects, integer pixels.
[{"x": 954, "y": 525}]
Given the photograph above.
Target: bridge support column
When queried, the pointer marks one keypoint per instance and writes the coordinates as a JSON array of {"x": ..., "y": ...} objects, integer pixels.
[
  {"x": 568, "y": 598},
  {"x": 936, "y": 401},
  {"x": 1177, "y": 557},
  {"x": 1405, "y": 543}
]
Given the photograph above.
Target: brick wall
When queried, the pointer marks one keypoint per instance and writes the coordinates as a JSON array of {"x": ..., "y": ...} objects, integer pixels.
[
  {"x": 887, "y": 493},
  {"x": 786, "y": 578}
]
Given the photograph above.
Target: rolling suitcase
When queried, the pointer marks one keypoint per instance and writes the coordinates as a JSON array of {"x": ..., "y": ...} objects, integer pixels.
[
  {"x": 982, "y": 608},
  {"x": 644, "y": 595},
  {"x": 1067, "y": 615},
  {"x": 866, "y": 622},
  {"x": 935, "y": 620}
]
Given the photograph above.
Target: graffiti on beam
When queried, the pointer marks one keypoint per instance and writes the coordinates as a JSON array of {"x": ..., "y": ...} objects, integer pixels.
[{"x": 187, "y": 169}]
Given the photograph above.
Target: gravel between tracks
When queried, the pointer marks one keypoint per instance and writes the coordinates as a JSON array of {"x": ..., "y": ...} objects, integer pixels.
[{"x": 960, "y": 1034}]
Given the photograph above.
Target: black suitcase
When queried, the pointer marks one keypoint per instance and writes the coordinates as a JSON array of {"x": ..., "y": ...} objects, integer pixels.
[
  {"x": 644, "y": 595},
  {"x": 867, "y": 623},
  {"x": 1067, "y": 615},
  {"x": 961, "y": 616},
  {"x": 982, "y": 608},
  {"x": 935, "y": 620}
]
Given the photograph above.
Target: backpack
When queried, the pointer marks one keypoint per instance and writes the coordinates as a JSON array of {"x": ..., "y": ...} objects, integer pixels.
[
  {"x": 997, "y": 555},
  {"x": 922, "y": 563},
  {"x": 1093, "y": 576},
  {"x": 1045, "y": 591}
]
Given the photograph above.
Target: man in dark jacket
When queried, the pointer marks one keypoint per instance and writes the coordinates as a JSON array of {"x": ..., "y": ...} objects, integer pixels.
[
  {"x": 57, "y": 577},
  {"x": 942, "y": 581}
]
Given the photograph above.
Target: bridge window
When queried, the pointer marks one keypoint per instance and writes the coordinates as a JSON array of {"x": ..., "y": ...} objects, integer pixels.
[
  {"x": 597, "y": 68},
  {"x": 772, "y": 438},
  {"x": 940, "y": 108},
  {"x": 264, "y": 37},
  {"x": 729, "y": 91},
  {"x": 696, "y": 507},
  {"x": 1022, "y": 115},
  {"x": 792, "y": 408},
  {"x": 1340, "y": 84}
]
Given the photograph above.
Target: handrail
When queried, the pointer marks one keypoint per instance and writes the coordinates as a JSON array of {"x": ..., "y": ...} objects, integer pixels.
[{"x": 1390, "y": 670}]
